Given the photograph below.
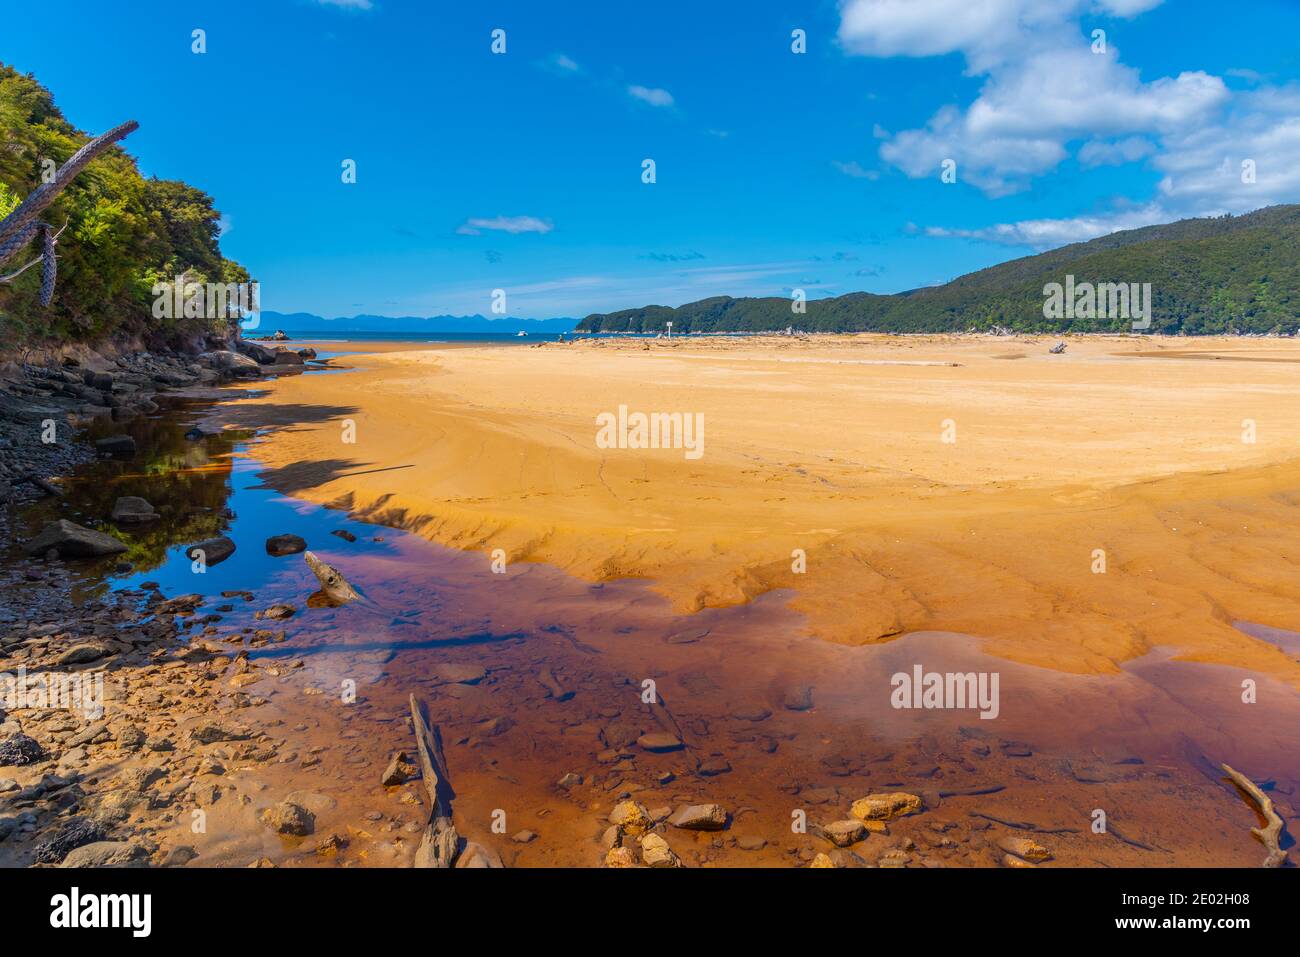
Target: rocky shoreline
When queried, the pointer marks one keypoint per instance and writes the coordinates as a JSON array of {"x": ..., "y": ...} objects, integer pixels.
[{"x": 126, "y": 718}]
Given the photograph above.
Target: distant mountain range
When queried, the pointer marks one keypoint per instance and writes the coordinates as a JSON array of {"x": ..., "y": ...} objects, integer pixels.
[
  {"x": 425, "y": 325},
  {"x": 1231, "y": 274}
]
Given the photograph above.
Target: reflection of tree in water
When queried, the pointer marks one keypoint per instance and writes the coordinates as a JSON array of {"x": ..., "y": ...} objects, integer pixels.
[{"x": 187, "y": 483}]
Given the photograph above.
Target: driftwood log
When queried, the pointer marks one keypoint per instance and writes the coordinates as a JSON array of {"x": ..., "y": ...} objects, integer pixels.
[
  {"x": 1271, "y": 833},
  {"x": 331, "y": 580},
  {"x": 23, "y": 225},
  {"x": 441, "y": 842}
]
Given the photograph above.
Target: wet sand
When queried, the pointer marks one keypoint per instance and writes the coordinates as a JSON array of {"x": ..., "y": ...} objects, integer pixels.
[
  {"x": 1119, "y": 693},
  {"x": 815, "y": 445}
]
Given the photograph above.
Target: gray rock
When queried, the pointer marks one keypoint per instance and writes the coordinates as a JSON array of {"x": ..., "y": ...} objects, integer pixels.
[
  {"x": 280, "y": 545},
  {"x": 71, "y": 540},
  {"x": 130, "y": 509},
  {"x": 83, "y": 653},
  {"x": 19, "y": 750},
  {"x": 77, "y": 832},
  {"x": 289, "y": 818},
  {"x": 215, "y": 550},
  {"x": 107, "y": 854}
]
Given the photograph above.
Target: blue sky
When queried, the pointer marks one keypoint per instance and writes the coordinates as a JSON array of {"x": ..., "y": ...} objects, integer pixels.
[{"x": 523, "y": 171}]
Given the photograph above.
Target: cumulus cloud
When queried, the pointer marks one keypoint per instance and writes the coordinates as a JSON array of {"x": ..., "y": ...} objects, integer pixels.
[
  {"x": 652, "y": 95},
  {"x": 504, "y": 224},
  {"x": 1047, "y": 93}
]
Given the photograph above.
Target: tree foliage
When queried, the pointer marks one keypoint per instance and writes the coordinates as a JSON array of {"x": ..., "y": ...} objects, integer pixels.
[
  {"x": 1230, "y": 274},
  {"x": 125, "y": 232}
]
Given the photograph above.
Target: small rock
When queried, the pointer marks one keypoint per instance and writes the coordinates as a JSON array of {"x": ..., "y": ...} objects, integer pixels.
[
  {"x": 1026, "y": 848},
  {"x": 453, "y": 673},
  {"x": 277, "y": 612},
  {"x": 798, "y": 699},
  {"x": 883, "y": 807},
  {"x": 280, "y": 545},
  {"x": 630, "y": 815},
  {"x": 82, "y": 654},
  {"x": 214, "y": 550},
  {"x": 524, "y": 837},
  {"x": 19, "y": 750},
  {"x": 655, "y": 852},
  {"x": 107, "y": 854},
  {"x": 844, "y": 833},
  {"x": 620, "y": 857},
  {"x": 288, "y": 818},
  {"x": 130, "y": 509},
  {"x": 658, "y": 742},
  {"x": 700, "y": 817},
  {"x": 73, "y": 834}
]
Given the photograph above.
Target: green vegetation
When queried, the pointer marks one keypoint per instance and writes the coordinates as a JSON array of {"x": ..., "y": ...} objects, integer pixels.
[
  {"x": 1233, "y": 274},
  {"x": 124, "y": 232}
]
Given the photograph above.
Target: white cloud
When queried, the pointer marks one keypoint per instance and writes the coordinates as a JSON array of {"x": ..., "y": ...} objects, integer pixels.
[
  {"x": 1048, "y": 233},
  {"x": 560, "y": 63},
  {"x": 652, "y": 95},
  {"x": 1115, "y": 153},
  {"x": 1046, "y": 94},
  {"x": 348, "y": 4},
  {"x": 855, "y": 170},
  {"x": 506, "y": 224},
  {"x": 1044, "y": 87}
]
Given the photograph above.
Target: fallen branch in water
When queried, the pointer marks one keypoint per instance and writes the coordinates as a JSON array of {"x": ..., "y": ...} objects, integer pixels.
[
  {"x": 1272, "y": 833},
  {"x": 440, "y": 843},
  {"x": 331, "y": 580}
]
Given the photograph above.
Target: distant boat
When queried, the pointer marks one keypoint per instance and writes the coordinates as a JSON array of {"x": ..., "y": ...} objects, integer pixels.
[{"x": 520, "y": 333}]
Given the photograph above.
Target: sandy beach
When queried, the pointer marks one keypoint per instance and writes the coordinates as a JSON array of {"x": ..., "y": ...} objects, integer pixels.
[{"x": 1072, "y": 511}]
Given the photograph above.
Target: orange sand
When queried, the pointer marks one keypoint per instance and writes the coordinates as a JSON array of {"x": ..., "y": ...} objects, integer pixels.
[{"x": 830, "y": 445}]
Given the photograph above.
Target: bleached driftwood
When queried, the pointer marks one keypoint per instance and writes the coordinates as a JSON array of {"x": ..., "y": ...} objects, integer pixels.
[
  {"x": 331, "y": 579},
  {"x": 1269, "y": 835},
  {"x": 440, "y": 842}
]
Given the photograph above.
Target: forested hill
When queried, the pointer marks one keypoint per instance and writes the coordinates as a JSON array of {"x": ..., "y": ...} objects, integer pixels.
[
  {"x": 1232, "y": 274},
  {"x": 124, "y": 232}
]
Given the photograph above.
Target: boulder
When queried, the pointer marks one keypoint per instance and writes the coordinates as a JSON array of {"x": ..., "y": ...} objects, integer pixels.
[
  {"x": 130, "y": 509},
  {"x": 280, "y": 545},
  {"x": 258, "y": 353},
  {"x": 71, "y": 540}
]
